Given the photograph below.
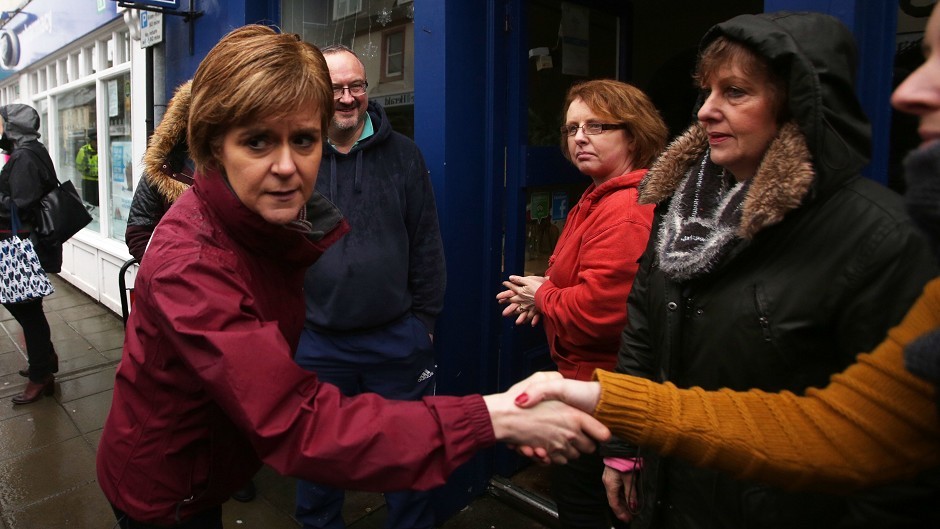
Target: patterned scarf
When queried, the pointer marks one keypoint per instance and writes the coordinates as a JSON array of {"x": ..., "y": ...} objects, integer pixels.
[{"x": 702, "y": 220}]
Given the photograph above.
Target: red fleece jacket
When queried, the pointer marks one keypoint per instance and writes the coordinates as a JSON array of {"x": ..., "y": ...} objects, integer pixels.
[{"x": 584, "y": 302}]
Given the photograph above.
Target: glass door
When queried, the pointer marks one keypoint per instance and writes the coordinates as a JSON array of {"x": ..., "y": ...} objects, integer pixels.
[{"x": 557, "y": 43}]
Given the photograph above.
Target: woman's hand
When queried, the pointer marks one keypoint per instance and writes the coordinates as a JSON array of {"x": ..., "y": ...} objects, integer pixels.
[
  {"x": 578, "y": 393},
  {"x": 621, "y": 492},
  {"x": 519, "y": 298},
  {"x": 554, "y": 432}
]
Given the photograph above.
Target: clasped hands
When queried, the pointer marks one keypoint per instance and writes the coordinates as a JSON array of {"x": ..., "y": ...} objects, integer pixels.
[
  {"x": 519, "y": 298},
  {"x": 532, "y": 418},
  {"x": 547, "y": 391}
]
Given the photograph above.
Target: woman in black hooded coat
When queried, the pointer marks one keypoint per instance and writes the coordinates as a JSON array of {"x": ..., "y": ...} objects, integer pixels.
[
  {"x": 770, "y": 267},
  {"x": 27, "y": 176}
]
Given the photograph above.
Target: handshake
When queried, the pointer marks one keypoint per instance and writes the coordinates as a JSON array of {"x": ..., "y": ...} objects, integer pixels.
[{"x": 546, "y": 417}]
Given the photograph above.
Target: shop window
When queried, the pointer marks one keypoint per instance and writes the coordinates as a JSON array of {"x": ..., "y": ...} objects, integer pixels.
[
  {"x": 42, "y": 106},
  {"x": 381, "y": 33},
  {"x": 78, "y": 146},
  {"x": 568, "y": 42},
  {"x": 83, "y": 96},
  {"x": 120, "y": 171},
  {"x": 393, "y": 55}
]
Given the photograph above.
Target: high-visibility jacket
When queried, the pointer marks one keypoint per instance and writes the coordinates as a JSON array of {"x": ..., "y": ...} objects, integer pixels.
[{"x": 87, "y": 162}]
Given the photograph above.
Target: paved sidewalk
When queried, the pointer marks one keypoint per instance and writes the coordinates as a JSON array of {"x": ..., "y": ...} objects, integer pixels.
[{"x": 47, "y": 448}]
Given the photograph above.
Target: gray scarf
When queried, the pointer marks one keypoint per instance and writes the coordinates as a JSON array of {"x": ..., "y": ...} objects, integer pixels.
[{"x": 702, "y": 220}]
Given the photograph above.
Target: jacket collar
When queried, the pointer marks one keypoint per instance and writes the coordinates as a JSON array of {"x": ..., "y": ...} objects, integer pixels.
[
  {"x": 301, "y": 242},
  {"x": 782, "y": 182}
]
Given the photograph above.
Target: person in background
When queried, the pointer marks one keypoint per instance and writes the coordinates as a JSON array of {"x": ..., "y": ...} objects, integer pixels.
[
  {"x": 612, "y": 133},
  {"x": 207, "y": 388},
  {"x": 772, "y": 264},
  {"x": 86, "y": 161},
  {"x": 168, "y": 171},
  {"x": 877, "y": 422},
  {"x": 27, "y": 176},
  {"x": 373, "y": 298}
]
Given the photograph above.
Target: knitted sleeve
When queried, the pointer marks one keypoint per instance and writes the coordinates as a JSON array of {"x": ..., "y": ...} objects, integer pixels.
[{"x": 874, "y": 423}]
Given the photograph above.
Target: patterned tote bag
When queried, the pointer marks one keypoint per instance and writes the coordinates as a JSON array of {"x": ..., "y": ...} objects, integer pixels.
[{"x": 21, "y": 276}]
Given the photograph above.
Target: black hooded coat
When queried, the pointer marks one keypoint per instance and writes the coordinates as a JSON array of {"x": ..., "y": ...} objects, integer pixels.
[
  {"x": 26, "y": 177},
  {"x": 822, "y": 264}
]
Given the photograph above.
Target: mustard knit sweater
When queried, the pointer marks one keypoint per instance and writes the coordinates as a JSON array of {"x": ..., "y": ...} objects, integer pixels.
[{"x": 874, "y": 423}]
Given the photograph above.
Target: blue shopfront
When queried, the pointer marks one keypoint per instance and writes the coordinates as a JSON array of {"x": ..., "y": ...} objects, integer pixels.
[{"x": 479, "y": 86}]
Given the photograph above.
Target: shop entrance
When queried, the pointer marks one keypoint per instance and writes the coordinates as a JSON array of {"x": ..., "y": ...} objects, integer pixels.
[{"x": 551, "y": 45}]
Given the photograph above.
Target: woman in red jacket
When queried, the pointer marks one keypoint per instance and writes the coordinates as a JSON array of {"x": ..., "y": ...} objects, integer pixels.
[
  {"x": 612, "y": 132},
  {"x": 207, "y": 388}
]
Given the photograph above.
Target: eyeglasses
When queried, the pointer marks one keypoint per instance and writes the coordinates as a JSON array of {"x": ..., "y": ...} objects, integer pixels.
[
  {"x": 355, "y": 89},
  {"x": 591, "y": 128}
]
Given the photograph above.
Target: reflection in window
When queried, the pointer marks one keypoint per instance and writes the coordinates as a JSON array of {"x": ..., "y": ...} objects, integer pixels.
[
  {"x": 394, "y": 55},
  {"x": 78, "y": 146},
  {"x": 345, "y": 8},
  {"x": 569, "y": 43},
  {"x": 381, "y": 32},
  {"x": 121, "y": 165}
]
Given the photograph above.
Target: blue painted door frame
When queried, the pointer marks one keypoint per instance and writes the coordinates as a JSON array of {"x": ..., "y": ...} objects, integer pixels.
[{"x": 459, "y": 124}]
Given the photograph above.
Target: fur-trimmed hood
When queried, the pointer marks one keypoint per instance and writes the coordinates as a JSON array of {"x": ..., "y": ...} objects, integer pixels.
[
  {"x": 816, "y": 56},
  {"x": 165, "y": 161},
  {"x": 828, "y": 138},
  {"x": 782, "y": 181}
]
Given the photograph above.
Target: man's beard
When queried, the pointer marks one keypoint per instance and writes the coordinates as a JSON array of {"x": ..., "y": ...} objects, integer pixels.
[{"x": 348, "y": 124}]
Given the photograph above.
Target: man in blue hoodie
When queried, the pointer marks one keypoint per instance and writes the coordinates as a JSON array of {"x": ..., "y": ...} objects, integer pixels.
[{"x": 372, "y": 298}]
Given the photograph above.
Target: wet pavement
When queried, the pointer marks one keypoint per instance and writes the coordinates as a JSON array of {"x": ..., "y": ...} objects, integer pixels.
[{"x": 47, "y": 448}]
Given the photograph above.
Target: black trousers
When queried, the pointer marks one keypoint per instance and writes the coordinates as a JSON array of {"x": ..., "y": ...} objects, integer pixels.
[
  {"x": 36, "y": 331},
  {"x": 208, "y": 519},
  {"x": 580, "y": 495},
  {"x": 90, "y": 191}
]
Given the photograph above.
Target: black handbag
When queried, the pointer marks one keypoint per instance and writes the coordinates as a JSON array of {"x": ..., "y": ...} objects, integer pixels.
[{"x": 61, "y": 214}]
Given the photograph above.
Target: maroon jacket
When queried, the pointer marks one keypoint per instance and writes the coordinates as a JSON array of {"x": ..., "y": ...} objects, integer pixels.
[{"x": 207, "y": 390}]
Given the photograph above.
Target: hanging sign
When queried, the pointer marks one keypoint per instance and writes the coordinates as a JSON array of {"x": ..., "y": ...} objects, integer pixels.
[{"x": 151, "y": 28}]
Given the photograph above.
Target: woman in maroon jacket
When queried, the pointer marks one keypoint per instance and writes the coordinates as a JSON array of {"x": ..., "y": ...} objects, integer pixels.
[
  {"x": 207, "y": 390},
  {"x": 612, "y": 132}
]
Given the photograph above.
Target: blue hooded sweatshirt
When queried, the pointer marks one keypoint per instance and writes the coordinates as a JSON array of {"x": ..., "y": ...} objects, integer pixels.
[{"x": 392, "y": 261}]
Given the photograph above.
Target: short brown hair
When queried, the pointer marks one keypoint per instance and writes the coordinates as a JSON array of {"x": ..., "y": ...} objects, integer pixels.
[
  {"x": 622, "y": 103},
  {"x": 723, "y": 51},
  {"x": 253, "y": 73}
]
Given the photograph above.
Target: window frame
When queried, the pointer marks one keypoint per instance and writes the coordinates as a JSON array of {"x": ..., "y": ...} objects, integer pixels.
[{"x": 386, "y": 35}]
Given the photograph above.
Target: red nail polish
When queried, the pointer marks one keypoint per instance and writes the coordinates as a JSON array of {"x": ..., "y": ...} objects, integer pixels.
[{"x": 522, "y": 398}]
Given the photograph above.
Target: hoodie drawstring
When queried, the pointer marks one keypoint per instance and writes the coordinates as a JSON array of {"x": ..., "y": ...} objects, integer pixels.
[
  {"x": 332, "y": 178},
  {"x": 357, "y": 183},
  {"x": 357, "y": 179}
]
